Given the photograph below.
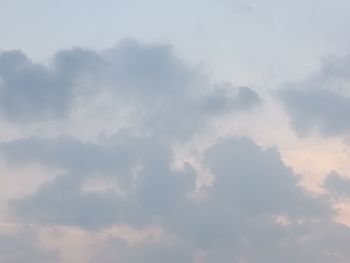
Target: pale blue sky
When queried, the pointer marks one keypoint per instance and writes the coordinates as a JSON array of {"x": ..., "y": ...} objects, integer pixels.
[{"x": 251, "y": 42}]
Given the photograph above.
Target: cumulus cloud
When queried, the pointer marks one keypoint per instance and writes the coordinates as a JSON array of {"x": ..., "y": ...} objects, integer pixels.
[
  {"x": 30, "y": 91},
  {"x": 254, "y": 210},
  {"x": 165, "y": 94},
  {"x": 257, "y": 178},
  {"x": 320, "y": 103},
  {"x": 240, "y": 218},
  {"x": 154, "y": 190}
]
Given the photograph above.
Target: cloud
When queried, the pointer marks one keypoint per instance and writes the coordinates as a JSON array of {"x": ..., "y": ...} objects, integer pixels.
[
  {"x": 320, "y": 103},
  {"x": 61, "y": 202},
  {"x": 254, "y": 211},
  {"x": 153, "y": 190},
  {"x": 238, "y": 220},
  {"x": 252, "y": 188},
  {"x": 222, "y": 99},
  {"x": 30, "y": 91},
  {"x": 165, "y": 95},
  {"x": 23, "y": 247},
  {"x": 68, "y": 153},
  {"x": 117, "y": 249},
  {"x": 256, "y": 178},
  {"x": 337, "y": 185}
]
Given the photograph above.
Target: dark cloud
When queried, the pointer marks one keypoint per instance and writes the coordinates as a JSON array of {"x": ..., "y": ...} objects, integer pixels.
[{"x": 320, "y": 103}]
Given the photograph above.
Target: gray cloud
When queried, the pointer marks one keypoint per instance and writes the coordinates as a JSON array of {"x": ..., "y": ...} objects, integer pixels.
[
  {"x": 157, "y": 189},
  {"x": 255, "y": 210},
  {"x": 82, "y": 159},
  {"x": 118, "y": 250},
  {"x": 251, "y": 186},
  {"x": 235, "y": 222},
  {"x": 62, "y": 202},
  {"x": 175, "y": 99},
  {"x": 24, "y": 247},
  {"x": 320, "y": 103},
  {"x": 259, "y": 181},
  {"x": 337, "y": 185},
  {"x": 223, "y": 100},
  {"x": 167, "y": 96},
  {"x": 30, "y": 91}
]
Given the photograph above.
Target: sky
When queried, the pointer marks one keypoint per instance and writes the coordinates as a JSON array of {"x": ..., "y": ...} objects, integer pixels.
[{"x": 174, "y": 131}]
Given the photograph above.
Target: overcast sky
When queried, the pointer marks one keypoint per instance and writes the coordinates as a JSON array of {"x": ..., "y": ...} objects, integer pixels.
[{"x": 174, "y": 131}]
